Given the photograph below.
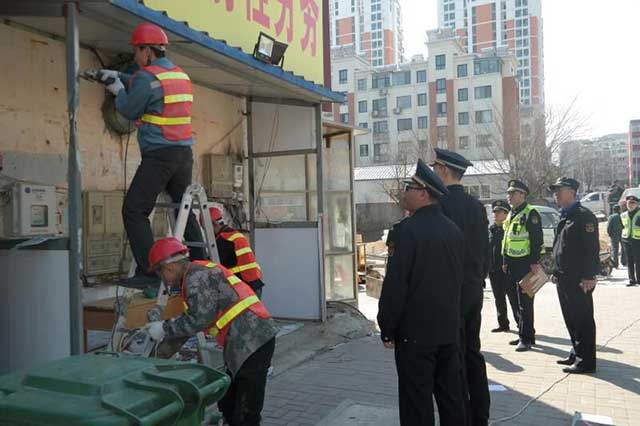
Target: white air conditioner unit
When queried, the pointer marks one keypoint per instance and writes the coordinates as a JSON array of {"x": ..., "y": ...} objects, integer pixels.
[
  {"x": 374, "y": 113},
  {"x": 383, "y": 92},
  {"x": 397, "y": 111}
]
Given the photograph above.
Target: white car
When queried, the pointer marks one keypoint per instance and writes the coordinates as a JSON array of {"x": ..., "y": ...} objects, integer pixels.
[{"x": 596, "y": 202}]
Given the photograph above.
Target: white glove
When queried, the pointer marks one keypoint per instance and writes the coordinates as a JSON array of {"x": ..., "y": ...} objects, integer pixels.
[
  {"x": 115, "y": 87},
  {"x": 112, "y": 80},
  {"x": 156, "y": 331}
]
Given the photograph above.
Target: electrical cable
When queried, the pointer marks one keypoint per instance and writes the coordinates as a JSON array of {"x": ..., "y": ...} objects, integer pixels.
[{"x": 552, "y": 385}]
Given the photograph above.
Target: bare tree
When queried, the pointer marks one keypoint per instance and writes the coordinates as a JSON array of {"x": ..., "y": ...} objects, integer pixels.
[{"x": 532, "y": 151}]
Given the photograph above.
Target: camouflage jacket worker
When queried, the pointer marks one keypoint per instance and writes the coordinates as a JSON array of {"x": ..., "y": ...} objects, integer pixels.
[{"x": 208, "y": 294}]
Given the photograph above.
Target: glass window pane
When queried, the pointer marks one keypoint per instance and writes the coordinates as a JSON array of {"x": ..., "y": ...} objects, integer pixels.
[
  {"x": 336, "y": 165},
  {"x": 281, "y": 207},
  {"x": 285, "y": 173},
  {"x": 338, "y": 235},
  {"x": 339, "y": 277}
]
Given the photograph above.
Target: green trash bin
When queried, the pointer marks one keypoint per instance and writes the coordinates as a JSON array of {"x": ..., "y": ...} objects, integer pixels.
[{"x": 110, "y": 389}]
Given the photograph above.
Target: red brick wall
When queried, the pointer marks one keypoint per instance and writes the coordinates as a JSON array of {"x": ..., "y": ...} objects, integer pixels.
[
  {"x": 510, "y": 116},
  {"x": 345, "y": 31},
  {"x": 536, "y": 92},
  {"x": 451, "y": 124},
  {"x": 389, "y": 47},
  {"x": 433, "y": 114}
]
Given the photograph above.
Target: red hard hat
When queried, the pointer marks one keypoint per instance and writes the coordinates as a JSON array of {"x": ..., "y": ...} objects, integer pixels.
[
  {"x": 163, "y": 249},
  {"x": 216, "y": 214},
  {"x": 148, "y": 34}
]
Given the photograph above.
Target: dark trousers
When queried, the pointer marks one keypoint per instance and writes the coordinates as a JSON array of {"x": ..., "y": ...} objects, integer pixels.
[
  {"x": 243, "y": 402},
  {"x": 615, "y": 251},
  {"x": 166, "y": 169},
  {"x": 632, "y": 248},
  {"x": 475, "y": 369},
  {"x": 577, "y": 310},
  {"x": 426, "y": 371},
  {"x": 526, "y": 331},
  {"x": 501, "y": 292}
]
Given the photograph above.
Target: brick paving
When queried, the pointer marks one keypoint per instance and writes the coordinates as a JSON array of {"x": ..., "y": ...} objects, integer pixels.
[{"x": 362, "y": 371}]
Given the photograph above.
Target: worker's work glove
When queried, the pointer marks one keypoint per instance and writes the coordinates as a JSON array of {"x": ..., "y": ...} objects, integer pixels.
[
  {"x": 111, "y": 79},
  {"x": 156, "y": 331}
]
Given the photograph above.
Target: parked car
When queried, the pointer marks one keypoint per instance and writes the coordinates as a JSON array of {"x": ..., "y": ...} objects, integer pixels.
[
  {"x": 550, "y": 219},
  {"x": 596, "y": 202}
]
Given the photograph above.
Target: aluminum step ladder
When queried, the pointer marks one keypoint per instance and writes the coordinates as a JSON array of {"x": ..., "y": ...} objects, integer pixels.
[{"x": 194, "y": 199}]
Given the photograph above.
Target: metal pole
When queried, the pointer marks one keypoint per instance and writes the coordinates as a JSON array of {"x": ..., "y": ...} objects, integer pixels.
[
  {"x": 321, "y": 221},
  {"x": 251, "y": 175},
  {"x": 75, "y": 185}
]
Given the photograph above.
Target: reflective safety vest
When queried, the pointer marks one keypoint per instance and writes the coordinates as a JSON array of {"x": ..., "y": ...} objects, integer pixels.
[
  {"x": 247, "y": 300},
  {"x": 516, "y": 241},
  {"x": 246, "y": 266},
  {"x": 175, "y": 119},
  {"x": 631, "y": 228}
]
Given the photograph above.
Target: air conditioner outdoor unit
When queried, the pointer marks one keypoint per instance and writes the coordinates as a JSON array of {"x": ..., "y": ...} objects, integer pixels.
[
  {"x": 397, "y": 111},
  {"x": 383, "y": 92},
  {"x": 374, "y": 113}
]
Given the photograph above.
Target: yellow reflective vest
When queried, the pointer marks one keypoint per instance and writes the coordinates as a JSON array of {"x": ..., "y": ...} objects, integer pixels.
[
  {"x": 631, "y": 228},
  {"x": 516, "y": 242}
]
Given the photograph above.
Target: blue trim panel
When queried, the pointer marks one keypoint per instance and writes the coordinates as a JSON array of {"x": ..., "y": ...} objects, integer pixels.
[{"x": 136, "y": 8}]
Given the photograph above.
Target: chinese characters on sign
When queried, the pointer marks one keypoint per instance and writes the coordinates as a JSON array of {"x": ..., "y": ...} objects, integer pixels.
[{"x": 255, "y": 11}]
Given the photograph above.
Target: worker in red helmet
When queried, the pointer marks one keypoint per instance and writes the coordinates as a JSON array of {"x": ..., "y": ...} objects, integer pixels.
[
  {"x": 235, "y": 252},
  {"x": 220, "y": 304},
  {"x": 158, "y": 98}
]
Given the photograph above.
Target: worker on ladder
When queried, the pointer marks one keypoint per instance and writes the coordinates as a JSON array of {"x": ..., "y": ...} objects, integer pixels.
[
  {"x": 235, "y": 252},
  {"x": 220, "y": 304},
  {"x": 158, "y": 97}
]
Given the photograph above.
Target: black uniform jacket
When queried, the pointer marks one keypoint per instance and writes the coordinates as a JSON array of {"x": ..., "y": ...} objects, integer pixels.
[
  {"x": 420, "y": 298},
  {"x": 576, "y": 248},
  {"x": 496, "y": 233},
  {"x": 471, "y": 217}
]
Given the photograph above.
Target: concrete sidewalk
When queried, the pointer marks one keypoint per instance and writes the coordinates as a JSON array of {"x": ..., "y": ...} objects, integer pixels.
[{"x": 356, "y": 383}]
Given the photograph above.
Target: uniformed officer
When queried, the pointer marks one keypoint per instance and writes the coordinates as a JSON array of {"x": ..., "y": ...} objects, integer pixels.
[
  {"x": 499, "y": 282},
  {"x": 522, "y": 246},
  {"x": 471, "y": 217},
  {"x": 631, "y": 239},
  {"x": 419, "y": 308},
  {"x": 575, "y": 265}
]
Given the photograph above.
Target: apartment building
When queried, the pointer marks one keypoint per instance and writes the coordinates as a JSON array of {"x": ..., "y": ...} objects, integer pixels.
[
  {"x": 372, "y": 27},
  {"x": 516, "y": 24},
  {"x": 633, "y": 145}
]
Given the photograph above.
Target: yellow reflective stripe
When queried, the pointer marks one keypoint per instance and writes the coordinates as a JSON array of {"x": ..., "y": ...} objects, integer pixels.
[
  {"x": 243, "y": 251},
  {"x": 235, "y": 236},
  {"x": 244, "y": 267},
  {"x": 165, "y": 121},
  {"x": 234, "y": 280},
  {"x": 172, "y": 75},
  {"x": 210, "y": 265},
  {"x": 172, "y": 99},
  {"x": 213, "y": 331},
  {"x": 235, "y": 311}
]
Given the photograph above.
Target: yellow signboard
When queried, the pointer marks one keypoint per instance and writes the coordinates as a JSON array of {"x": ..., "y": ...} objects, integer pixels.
[{"x": 297, "y": 23}]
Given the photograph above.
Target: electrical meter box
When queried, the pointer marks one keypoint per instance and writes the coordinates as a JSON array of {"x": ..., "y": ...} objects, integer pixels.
[
  {"x": 222, "y": 176},
  {"x": 31, "y": 211}
]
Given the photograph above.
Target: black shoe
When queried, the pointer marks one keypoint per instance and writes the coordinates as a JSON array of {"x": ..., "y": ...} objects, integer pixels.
[
  {"x": 567, "y": 361},
  {"x": 141, "y": 282},
  {"x": 575, "y": 369},
  {"x": 514, "y": 342},
  {"x": 500, "y": 330},
  {"x": 523, "y": 347},
  {"x": 631, "y": 284}
]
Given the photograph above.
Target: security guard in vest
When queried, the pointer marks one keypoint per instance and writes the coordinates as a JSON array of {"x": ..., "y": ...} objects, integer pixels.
[
  {"x": 419, "y": 308},
  {"x": 158, "y": 97},
  {"x": 471, "y": 217},
  {"x": 631, "y": 239},
  {"x": 235, "y": 252},
  {"x": 576, "y": 262},
  {"x": 522, "y": 246},
  {"x": 221, "y": 304},
  {"x": 499, "y": 280}
]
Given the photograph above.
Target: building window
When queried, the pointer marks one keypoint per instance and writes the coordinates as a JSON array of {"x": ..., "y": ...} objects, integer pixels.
[
  {"x": 423, "y": 122},
  {"x": 462, "y": 70},
  {"x": 487, "y": 66},
  {"x": 342, "y": 76},
  {"x": 421, "y": 76},
  {"x": 422, "y": 99},
  {"x": 441, "y": 85},
  {"x": 362, "y": 106},
  {"x": 380, "y": 105},
  {"x": 442, "y": 109},
  {"x": 380, "y": 81},
  {"x": 485, "y": 116},
  {"x": 463, "y": 142},
  {"x": 405, "y": 124},
  {"x": 482, "y": 92},
  {"x": 441, "y": 62},
  {"x": 442, "y": 135},
  {"x": 401, "y": 78},
  {"x": 364, "y": 125},
  {"x": 403, "y": 101},
  {"x": 380, "y": 127},
  {"x": 381, "y": 152},
  {"x": 463, "y": 95},
  {"x": 362, "y": 84},
  {"x": 483, "y": 141},
  {"x": 344, "y": 118},
  {"x": 364, "y": 150},
  {"x": 463, "y": 118}
]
